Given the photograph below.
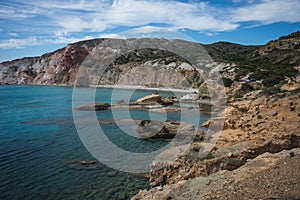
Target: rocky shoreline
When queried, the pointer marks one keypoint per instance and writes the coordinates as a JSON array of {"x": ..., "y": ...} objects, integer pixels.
[
  {"x": 254, "y": 130},
  {"x": 268, "y": 176}
]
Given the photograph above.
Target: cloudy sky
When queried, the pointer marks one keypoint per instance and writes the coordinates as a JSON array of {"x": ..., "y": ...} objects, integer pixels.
[{"x": 34, "y": 27}]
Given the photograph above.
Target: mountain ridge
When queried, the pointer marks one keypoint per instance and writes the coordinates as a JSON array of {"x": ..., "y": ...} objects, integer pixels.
[{"x": 61, "y": 66}]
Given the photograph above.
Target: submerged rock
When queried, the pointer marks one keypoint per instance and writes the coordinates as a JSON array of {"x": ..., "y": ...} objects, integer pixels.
[
  {"x": 168, "y": 130},
  {"x": 85, "y": 164},
  {"x": 111, "y": 174},
  {"x": 95, "y": 106}
]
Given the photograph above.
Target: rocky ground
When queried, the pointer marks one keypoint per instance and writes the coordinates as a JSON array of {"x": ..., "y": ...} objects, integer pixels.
[
  {"x": 268, "y": 176},
  {"x": 248, "y": 160}
]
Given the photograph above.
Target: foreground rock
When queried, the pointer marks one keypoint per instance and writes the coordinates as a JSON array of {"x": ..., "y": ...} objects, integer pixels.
[
  {"x": 266, "y": 124},
  {"x": 268, "y": 176},
  {"x": 95, "y": 106}
]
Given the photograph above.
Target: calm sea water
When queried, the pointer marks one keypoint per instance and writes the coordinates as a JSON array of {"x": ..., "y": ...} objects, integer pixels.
[{"x": 40, "y": 149}]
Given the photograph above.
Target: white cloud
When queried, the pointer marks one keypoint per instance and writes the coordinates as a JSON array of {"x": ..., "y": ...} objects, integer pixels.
[
  {"x": 112, "y": 35},
  {"x": 18, "y": 43},
  {"x": 268, "y": 12},
  {"x": 73, "y": 24},
  {"x": 173, "y": 13},
  {"x": 155, "y": 32},
  {"x": 64, "y": 40},
  {"x": 150, "y": 29},
  {"x": 58, "y": 20},
  {"x": 13, "y": 11},
  {"x": 13, "y": 34},
  {"x": 34, "y": 40},
  {"x": 99, "y": 15}
]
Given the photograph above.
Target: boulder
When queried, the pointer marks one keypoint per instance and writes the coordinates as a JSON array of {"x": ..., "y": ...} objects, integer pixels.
[
  {"x": 167, "y": 130},
  {"x": 150, "y": 99},
  {"x": 154, "y": 99},
  {"x": 166, "y": 101}
]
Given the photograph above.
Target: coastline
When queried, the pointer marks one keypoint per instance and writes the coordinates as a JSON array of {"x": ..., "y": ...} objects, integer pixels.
[
  {"x": 125, "y": 87},
  {"x": 138, "y": 87}
]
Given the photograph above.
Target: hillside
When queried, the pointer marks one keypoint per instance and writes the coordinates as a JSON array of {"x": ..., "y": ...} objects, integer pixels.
[
  {"x": 255, "y": 155},
  {"x": 122, "y": 58},
  {"x": 236, "y": 62}
]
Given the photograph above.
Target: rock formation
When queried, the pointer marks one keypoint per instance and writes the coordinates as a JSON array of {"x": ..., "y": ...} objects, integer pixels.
[
  {"x": 107, "y": 62},
  {"x": 168, "y": 130},
  {"x": 251, "y": 128},
  {"x": 94, "y": 106},
  {"x": 154, "y": 99}
]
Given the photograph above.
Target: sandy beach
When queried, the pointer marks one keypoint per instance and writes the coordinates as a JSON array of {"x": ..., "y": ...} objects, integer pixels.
[{"x": 188, "y": 90}]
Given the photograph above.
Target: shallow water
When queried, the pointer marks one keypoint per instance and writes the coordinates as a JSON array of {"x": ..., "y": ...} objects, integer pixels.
[{"x": 40, "y": 149}]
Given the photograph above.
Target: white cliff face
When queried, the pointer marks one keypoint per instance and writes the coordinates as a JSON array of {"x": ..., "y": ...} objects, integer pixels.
[{"x": 82, "y": 61}]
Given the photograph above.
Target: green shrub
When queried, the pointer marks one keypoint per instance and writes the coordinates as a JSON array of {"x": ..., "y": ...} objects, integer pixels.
[
  {"x": 238, "y": 96},
  {"x": 227, "y": 82},
  {"x": 272, "y": 80},
  {"x": 209, "y": 156},
  {"x": 297, "y": 46},
  {"x": 246, "y": 87},
  {"x": 240, "y": 73},
  {"x": 271, "y": 90},
  {"x": 296, "y": 91}
]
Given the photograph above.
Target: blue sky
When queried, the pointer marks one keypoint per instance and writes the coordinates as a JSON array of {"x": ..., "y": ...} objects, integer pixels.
[{"x": 34, "y": 27}]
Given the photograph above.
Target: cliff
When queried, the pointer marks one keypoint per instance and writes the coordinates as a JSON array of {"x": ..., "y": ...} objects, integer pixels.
[
  {"x": 152, "y": 63},
  {"x": 106, "y": 62}
]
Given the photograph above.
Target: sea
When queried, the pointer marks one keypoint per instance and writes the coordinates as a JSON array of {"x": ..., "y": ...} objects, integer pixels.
[{"x": 42, "y": 155}]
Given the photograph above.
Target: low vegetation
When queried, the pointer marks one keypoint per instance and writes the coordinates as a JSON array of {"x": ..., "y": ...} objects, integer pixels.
[{"x": 271, "y": 64}]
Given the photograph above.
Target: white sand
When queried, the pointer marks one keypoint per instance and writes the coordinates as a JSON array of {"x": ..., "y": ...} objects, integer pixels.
[{"x": 188, "y": 90}]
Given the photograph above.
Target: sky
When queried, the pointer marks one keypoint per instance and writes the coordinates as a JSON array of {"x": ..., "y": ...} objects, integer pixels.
[{"x": 35, "y": 27}]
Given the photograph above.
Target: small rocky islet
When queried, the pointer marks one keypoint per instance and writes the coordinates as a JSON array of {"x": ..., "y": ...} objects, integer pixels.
[{"x": 151, "y": 128}]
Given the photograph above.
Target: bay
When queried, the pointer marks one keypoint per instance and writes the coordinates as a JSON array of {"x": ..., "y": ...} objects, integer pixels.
[{"x": 40, "y": 150}]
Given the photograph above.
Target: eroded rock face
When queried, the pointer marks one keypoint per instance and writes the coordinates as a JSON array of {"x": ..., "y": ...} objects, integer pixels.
[
  {"x": 276, "y": 173},
  {"x": 106, "y": 62},
  {"x": 59, "y": 67},
  {"x": 267, "y": 124}
]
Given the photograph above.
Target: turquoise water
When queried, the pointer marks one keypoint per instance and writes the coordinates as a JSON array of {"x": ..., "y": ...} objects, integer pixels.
[{"x": 40, "y": 148}]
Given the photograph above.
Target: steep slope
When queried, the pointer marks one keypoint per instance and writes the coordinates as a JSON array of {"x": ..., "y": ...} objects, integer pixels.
[
  {"x": 271, "y": 64},
  {"x": 119, "y": 58},
  {"x": 59, "y": 67},
  {"x": 229, "y": 52}
]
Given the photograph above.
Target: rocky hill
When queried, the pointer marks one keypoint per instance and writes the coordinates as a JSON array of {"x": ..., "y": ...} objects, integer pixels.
[
  {"x": 108, "y": 62},
  {"x": 135, "y": 58},
  {"x": 256, "y": 152}
]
